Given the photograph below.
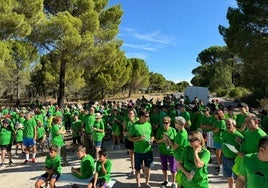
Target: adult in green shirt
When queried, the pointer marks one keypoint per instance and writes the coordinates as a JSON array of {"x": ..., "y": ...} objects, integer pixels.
[
  {"x": 127, "y": 124},
  {"x": 52, "y": 167},
  {"x": 254, "y": 167},
  {"x": 249, "y": 144},
  {"x": 140, "y": 133},
  {"x": 165, "y": 135},
  {"x": 219, "y": 126},
  {"x": 88, "y": 122},
  {"x": 103, "y": 171},
  {"x": 86, "y": 166},
  {"x": 194, "y": 162},
  {"x": 98, "y": 133},
  {"x": 228, "y": 157},
  {"x": 240, "y": 118}
]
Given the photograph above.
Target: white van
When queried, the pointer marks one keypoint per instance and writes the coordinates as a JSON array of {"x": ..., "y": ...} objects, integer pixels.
[{"x": 201, "y": 93}]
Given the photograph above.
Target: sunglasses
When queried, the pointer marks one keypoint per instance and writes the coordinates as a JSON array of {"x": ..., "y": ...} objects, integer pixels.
[
  {"x": 165, "y": 123},
  {"x": 146, "y": 116},
  {"x": 193, "y": 139}
]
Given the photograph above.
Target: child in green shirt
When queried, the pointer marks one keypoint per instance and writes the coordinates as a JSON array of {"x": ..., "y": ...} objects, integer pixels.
[
  {"x": 52, "y": 167},
  {"x": 6, "y": 132},
  {"x": 103, "y": 171}
]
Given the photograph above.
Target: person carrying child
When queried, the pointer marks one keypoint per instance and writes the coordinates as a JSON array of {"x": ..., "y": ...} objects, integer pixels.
[
  {"x": 52, "y": 167},
  {"x": 103, "y": 171},
  {"x": 6, "y": 132}
]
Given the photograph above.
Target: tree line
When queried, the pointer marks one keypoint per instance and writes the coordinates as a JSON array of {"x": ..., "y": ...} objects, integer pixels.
[{"x": 69, "y": 48}]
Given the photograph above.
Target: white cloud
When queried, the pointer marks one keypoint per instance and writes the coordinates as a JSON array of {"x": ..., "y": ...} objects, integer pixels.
[{"x": 141, "y": 47}]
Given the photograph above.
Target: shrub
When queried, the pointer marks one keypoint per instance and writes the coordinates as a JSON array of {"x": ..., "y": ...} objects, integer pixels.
[{"x": 221, "y": 92}]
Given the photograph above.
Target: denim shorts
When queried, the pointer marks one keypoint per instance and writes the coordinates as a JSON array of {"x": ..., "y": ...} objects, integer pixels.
[
  {"x": 147, "y": 158},
  {"x": 227, "y": 165},
  {"x": 217, "y": 145},
  {"x": 97, "y": 144},
  {"x": 45, "y": 175}
]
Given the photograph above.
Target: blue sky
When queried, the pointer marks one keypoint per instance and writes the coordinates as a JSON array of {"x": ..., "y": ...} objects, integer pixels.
[{"x": 169, "y": 34}]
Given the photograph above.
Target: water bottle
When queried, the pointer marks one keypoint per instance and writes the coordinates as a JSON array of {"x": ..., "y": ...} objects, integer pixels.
[{"x": 192, "y": 173}]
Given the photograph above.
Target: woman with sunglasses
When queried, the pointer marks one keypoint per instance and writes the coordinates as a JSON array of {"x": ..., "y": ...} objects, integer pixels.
[
  {"x": 194, "y": 162},
  {"x": 164, "y": 135}
]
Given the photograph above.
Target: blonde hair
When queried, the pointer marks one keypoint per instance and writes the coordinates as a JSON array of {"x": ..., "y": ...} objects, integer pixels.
[
  {"x": 200, "y": 137},
  {"x": 167, "y": 119}
]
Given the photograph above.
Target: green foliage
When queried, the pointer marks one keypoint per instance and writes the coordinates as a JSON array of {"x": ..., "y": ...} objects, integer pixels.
[
  {"x": 182, "y": 86},
  {"x": 157, "y": 81},
  {"x": 247, "y": 37},
  {"x": 221, "y": 92},
  {"x": 217, "y": 69}
]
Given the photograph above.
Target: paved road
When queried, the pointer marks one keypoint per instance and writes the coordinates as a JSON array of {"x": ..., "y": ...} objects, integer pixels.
[{"x": 24, "y": 176}]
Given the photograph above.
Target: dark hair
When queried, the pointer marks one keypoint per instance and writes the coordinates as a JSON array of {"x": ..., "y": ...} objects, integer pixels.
[
  {"x": 103, "y": 152},
  {"x": 143, "y": 113},
  {"x": 53, "y": 148},
  {"x": 263, "y": 141}
]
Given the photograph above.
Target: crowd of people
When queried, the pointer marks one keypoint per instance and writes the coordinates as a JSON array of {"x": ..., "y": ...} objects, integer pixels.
[{"x": 185, "y": 132}]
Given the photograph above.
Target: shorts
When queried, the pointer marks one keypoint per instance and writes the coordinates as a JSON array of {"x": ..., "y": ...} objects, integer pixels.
[
  {"x": 27, "y": 142},
  {"x": 6, "y": 147},
  {"x": 217, "y": 145},
  {"x": 100, "y": 182},
  {"x": 147, "y": 158},
  {"x": 45, "y": 175},
  {"x": 164, "y": 159},
  {"x": 97, "y": 144},
  {"x": 129, "y": 144},
  {"x": 227, "y": 165}
]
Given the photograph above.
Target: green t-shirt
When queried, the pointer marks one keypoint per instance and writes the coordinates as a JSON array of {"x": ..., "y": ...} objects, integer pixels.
[
  {"x": 57, "y": 139},
  {"x": 181, "y": 140},
  {"x": 76, "y": 128},
  {"x": 98, "y": 136},
  {"x": 221, "y": 125},
  {"x": 108, "y": 167},
  {"x": 6, "y": 135},
  {"x": 40, "y": 132},
  {"x": 29, "y": 127},
  {"x": 254, "y": 170},
  {"x": 162, "y": 147},
  {"x": 86, "y": 167},
  {"x": 141, "y": 129},
  {"x": 206, "y": 121},
  {"x": 251, "y": 140},
  {"x": 187, "y": 116},
  {"x": 53, "y": 163},
  {"x": 89, "y": 120},
  {"x": 230, "y": 138},
  {"x": 200, "y": 178},
  {"x": 19, "y": 135},
  {"x": 240, "y": 120}
]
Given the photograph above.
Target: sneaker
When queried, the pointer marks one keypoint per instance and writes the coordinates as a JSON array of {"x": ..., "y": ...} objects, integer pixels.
[
  {"x": 26, "y": 161},
  {"x": 33, "y": 160},
  {"x": 10, "y": 163},
  {"x": 164, "y": 184},
  {"x": 132, "y": 173}
]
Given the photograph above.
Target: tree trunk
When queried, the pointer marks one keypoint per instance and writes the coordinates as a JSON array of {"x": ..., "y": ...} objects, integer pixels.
[
  {"x": 130, "y": 91},
  {"x": 61, "y": 96}
]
